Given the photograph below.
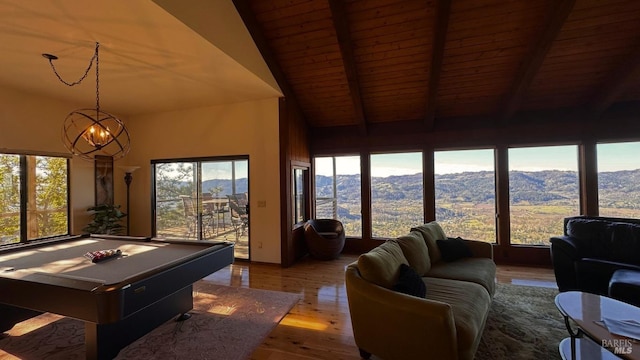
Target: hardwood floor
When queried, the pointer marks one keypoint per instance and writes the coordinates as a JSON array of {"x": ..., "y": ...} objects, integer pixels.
[{"x": 319, "y": 327}]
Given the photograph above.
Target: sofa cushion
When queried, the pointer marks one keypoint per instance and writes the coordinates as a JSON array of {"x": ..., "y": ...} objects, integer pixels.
[
  {"x": 580, "y": 228},
  {"x": 431, "y": 232},
  {"x": 381, "y": 265},
  {"x": 415, "y": 250},
  {"x": 409, "y": 282},
  {"x": 481, "y": 271},
  {"x": 591, "y": 236},
  {"x": 625, "y": 243},
  {"x": 470, "y": 305},
  {"x": 453, "y": 249}
]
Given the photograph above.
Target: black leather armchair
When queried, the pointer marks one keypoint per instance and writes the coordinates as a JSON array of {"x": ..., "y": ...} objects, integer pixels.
[
  {"x": 324, "y": 238},
  {"x": 592, "y": 249}
]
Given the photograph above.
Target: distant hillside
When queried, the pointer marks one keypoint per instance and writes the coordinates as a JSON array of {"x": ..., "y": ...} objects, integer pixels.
[
  {"x": 225, "y": 186},
  {"x": 617, "y": 189}
]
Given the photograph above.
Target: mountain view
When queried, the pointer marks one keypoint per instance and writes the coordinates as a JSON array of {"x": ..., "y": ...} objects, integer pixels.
[{"x": 465, "y": 202}]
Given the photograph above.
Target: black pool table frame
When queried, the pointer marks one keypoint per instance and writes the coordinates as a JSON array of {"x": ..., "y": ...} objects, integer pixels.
[{"x": 115, "y": 315}]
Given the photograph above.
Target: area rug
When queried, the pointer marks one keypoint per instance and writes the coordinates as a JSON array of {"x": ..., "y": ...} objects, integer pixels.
[
  {"x": 523, "y": 323},
  {"x": 227, "y": 323}
]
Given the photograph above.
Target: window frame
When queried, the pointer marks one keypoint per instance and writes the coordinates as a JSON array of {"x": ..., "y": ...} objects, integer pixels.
[
  {"x": 304, "y": 208},
  {"x": 628, "y": 212},
  {"x": 313, "y": 201},
  {"x": 198, "y": 162},
  {"x": 495, "y": 196},
  {"x": 26, "y": 196},
  {"x": 370, "y": 174},
  {"x": 544, "y": 239}
]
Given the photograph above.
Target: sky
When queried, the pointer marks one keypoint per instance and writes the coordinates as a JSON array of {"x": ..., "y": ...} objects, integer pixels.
[
  {"x": 222, "y": 169},
  {"x": 611, "y": 157}
]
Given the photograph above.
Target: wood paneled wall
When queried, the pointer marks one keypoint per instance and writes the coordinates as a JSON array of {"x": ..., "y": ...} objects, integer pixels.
[{"x": 294, "y": 149}]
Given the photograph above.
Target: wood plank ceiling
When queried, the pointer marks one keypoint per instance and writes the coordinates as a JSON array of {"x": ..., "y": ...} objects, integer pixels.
[{"x": 362, "y": 62}]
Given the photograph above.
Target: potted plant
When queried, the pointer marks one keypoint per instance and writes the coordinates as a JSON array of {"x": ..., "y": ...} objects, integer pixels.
[{"x": 106, "y": 220}]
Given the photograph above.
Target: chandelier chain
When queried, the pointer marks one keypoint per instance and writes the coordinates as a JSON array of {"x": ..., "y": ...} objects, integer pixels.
[
  {"x": 91, "y": 132},
  {"x": 86, "y": 72},
  {"x": 97, "y": 77}
]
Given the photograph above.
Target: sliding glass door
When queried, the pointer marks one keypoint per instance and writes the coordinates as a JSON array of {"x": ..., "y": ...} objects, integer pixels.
[{"x": 203, "y": 199}]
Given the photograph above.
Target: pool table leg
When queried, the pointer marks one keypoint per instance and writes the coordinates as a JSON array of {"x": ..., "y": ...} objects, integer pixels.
[{"x": 104, "y": 341}]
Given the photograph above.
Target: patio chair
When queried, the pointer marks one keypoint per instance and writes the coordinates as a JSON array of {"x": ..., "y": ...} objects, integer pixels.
[
  {"x": 190, "y": 215},
  {"x": 216, "y": 208},
  {"x": 209, "y": 213},
  {"x": 239, "y": 215}
]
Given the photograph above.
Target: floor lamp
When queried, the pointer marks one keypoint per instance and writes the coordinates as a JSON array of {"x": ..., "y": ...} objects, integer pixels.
[{"x": 127, "y": 180}]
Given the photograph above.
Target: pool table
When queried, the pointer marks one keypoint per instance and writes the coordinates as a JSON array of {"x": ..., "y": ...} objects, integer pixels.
[{"x": 119, "y": 299}]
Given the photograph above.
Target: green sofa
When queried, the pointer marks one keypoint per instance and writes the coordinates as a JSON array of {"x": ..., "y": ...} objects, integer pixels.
[{"x": 445, "y": 324}]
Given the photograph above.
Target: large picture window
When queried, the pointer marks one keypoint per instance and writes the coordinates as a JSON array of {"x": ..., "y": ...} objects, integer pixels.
[
  {"x": 465, "y": 193},
  {"x": 34, "y": 197},
  {"x": 618, "y": 174},
  {"x": 543, "y": 190},
  {"x": 397, "y": 195},
  {"x": 338, "y": 191}
]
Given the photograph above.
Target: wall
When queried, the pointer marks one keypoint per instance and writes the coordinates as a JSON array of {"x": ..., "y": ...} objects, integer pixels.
[
  {"x": 249, "y": 128},
  {"x": 294, "y": 148},
  {"x": 33, "y": 124}
]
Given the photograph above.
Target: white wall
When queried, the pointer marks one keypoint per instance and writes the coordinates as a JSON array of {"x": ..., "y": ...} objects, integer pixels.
[
  {"x": 249, "y": 128},
  {"x": 31, "y": 123}
]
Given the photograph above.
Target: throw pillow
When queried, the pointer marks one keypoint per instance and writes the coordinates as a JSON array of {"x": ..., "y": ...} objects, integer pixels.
[
  {"x": 415, "y": 250},
  {"x": 431, "y": 232},
  {"x": 410, "y": 282},
  {"x": 453, "y": 249},
  {"x": 380, "y": 265}
]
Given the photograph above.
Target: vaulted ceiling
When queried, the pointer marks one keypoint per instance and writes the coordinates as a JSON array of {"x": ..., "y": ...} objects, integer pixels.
[
  {"x": 358, "y": 63},
  {"x": 155, "y": 56}
]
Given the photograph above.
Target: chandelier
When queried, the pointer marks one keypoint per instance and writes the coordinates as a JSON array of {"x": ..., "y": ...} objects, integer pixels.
[{"x": 90, "y": 132}]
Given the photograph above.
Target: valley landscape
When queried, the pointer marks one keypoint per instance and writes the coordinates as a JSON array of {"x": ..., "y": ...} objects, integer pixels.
[{"x": 465, "y": 202}]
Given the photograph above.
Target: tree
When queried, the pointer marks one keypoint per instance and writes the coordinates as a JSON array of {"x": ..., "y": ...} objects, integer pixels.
[{"x": 9, "y": 198}]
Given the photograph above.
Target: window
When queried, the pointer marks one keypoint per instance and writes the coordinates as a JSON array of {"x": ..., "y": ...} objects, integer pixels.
[
  {"x": 397, "y": 193},
  {"x": 34, "y": 200},
  {"x": 338, "y": 191},
  {"x": 618, "y": 173},
  {"x": 543, "y": 190},
  {"x": 299, "y": 194},
  {"x": 465, "y": 193},
  {"x": 203, "y": 199}
]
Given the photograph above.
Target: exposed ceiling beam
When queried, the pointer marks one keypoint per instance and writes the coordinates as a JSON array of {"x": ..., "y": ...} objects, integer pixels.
[
  {"x": 341, "y": 25},
  {"x": 542, "y": 126},
  {"x": 615, "y": 83},
  {"x": 534, "y": 60},
  {"x": 248, "y": 17},
  {"x": 441, "y": 25}
]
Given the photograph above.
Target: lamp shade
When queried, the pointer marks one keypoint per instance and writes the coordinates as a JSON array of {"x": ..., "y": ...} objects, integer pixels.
[{"x": 129, "y": 168}]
